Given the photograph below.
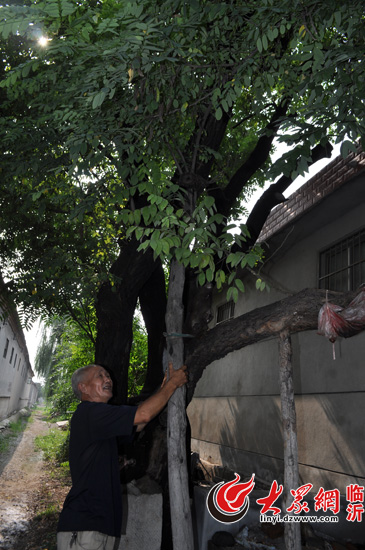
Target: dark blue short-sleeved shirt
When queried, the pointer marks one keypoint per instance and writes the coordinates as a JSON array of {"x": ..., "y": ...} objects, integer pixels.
[{"x": 94, "y": 502}]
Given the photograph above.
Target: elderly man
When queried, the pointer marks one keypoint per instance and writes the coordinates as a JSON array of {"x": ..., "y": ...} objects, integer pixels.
[{"x": 92, "y": 512}]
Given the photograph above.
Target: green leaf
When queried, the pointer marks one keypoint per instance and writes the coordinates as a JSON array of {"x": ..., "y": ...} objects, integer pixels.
[
  {"x": 265, "y": 43},
  {"x": 204, "y": 261},
  {"x": 318, "y": 55},
  {"x": 194, "y": 260},
  {"x": 98, "y": 99},
  {"x": 139, "y": 233},
  {"x": 67, "y": 8},
  {"x": 209, "y": 201},
  {"x": 201, "y": 279},
  {"x": 143, "y": 246},
  {"x": 338, "y": 18},
  {"x": 232, "y": 294},
  {"x": 346, "y": 147},
  {"x": 218, "y": 113},
  {"x": 5, "y": 30},
  {"x": 26, "y": 70},
  {"x": 239, "y": 284},
  {"x": 52, "y": 8},
  {"x": 209, "y": 275},
  {"x": 165, "y": 247},
  {"x": 137, "y": 217}
]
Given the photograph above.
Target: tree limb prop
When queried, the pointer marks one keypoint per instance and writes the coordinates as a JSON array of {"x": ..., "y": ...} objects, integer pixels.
[{"x": 296, "y": 313}]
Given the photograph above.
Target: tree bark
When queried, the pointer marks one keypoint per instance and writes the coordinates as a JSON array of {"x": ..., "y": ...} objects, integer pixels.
[
  {"x": 274, "y": 196},
  {"x": 182, "y": 532},
  {"x": 152, "y": 299},
  {"x": 288, "y": 415},
  {"x": 114, "y": 338},
  {"x": 296, "y": 313},
  {"x": 115, "y": 309},
  {"x": 226, "y": 198}
]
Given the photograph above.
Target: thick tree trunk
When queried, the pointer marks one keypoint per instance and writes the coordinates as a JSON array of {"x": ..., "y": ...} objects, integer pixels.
[
  {"x": 182, "y": 532},
  {"x": 152, "y": 299},
  {"x": 115, "y": 309},
  {"x": 289, "y": 420},
  {"x": 114, "y": 338}
]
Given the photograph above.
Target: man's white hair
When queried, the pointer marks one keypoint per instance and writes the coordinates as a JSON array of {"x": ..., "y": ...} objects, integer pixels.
[{"x": 78, "y": 377}]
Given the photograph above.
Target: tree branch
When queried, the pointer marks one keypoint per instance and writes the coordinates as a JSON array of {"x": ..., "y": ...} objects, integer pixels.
[
  {"x": 273, "y": 196},
  {"x": 295, "y": 314},
  {"x": 226, "y": 198}
]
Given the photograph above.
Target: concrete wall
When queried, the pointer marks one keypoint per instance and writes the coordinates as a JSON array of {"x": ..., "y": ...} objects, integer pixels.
[
  {"x": 16, "y": 388},
  {"x": 235, "y": 414}
]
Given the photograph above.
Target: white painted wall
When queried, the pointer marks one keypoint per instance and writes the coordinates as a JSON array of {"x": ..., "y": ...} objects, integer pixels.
[{"x": 16, "y": 389}]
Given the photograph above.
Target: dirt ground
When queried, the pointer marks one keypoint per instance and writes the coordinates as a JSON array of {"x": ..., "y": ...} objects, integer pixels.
[{"x": 30, "y": 494}]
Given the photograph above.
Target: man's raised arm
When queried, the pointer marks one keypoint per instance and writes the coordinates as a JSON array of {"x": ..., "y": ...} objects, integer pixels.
[{"x": 150, "y": 408}]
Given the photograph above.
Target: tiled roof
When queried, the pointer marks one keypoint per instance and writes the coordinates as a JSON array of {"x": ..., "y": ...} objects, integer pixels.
[{"x": 331, "y": 177}]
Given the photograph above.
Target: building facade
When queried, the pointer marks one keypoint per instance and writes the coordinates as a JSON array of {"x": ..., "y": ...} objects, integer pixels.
[
  {"x": 314, "y": 240},
  {"x": 17, "y": 390}
]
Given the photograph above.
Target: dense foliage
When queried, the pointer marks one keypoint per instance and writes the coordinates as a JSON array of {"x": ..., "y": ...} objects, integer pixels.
[
  {"x": 141, "y": 126},
  {"x": 64, "y": 347},
  {"x": 138, "y": 358},
  {"x": 125, "y": 106}
]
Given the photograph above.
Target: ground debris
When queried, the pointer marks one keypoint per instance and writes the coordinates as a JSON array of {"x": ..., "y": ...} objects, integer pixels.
[{"x": 31, "y": 495}]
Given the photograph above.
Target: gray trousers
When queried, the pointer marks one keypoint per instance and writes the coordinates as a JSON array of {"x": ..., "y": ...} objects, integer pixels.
[{"x": 86, "y": 540}]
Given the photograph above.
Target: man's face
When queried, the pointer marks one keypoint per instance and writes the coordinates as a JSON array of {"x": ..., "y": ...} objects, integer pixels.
[{"x": 97, "y": 385}]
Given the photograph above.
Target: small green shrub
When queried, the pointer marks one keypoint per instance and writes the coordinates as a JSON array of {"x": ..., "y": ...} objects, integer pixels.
[
  {"x": 54, "y": 445},
  {"x": 15, "y": 428},
  {"x": 51, "y": 511},
  {"x": 4, "y": 442},
  {"x": 19, "y": 426}
]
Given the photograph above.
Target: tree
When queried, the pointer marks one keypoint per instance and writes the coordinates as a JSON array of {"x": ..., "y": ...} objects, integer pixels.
[
  {"x": 105, "y": 140},
  {"x": 64, "y": 347},
  {"x": 45, "y": 359},
  {"x": 88, "y": 185}
]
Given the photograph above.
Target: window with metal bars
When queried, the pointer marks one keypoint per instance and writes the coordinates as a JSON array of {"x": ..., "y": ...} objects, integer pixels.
[
  {"x": 225, "y": 312},
  {"x": 342, "y": 266}
]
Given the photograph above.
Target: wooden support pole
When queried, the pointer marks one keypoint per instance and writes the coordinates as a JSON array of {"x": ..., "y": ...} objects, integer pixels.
[
  {"x": 181, "y": 521},
  {"x": 291, "y": 471}
]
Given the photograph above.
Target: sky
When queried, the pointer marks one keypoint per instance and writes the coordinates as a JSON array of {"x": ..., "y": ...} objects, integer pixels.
[
  {"x": 32, "y": 338},
  {"x": 33, "y": 335},
  {"x": 299, "y": 181}
]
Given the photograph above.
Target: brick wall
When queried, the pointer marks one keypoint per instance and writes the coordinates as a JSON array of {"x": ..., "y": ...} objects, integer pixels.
[{"x": 335, "y": 174}]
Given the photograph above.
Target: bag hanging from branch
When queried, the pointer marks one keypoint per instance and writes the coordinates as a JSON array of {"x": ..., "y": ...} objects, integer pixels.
[{"x": 335, "y": 321}]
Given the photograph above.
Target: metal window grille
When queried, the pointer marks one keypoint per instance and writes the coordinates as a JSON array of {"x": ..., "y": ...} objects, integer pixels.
[
  {"x": 342, "y": 266},
  {"x": 225, "y": 312}
]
